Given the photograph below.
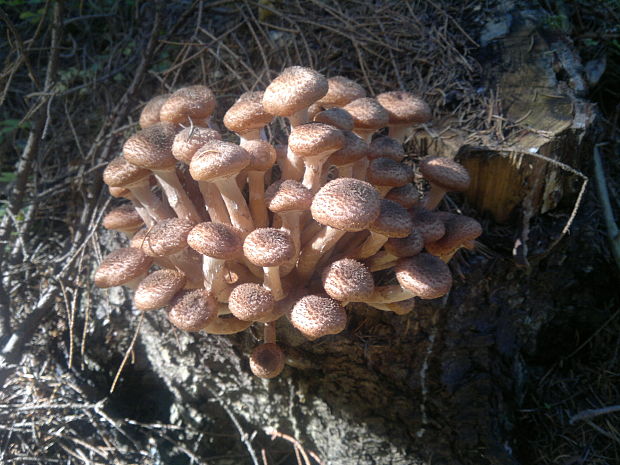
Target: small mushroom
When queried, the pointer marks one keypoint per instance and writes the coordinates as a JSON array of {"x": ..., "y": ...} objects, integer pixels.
[
  {"x": 444, "y": 175},
  {"x": 150, "y": 113},
  {"x": 125, "y": 266},
  {"x": 316, "y": 316},
  {"x": 192, "y": 310},
  {"x": 267, "y": 361},
  {"x": 157, "y": 289},
  {"x": 406, "y": 110},
  {"x": 124, "y": 219},
  {"x": 347, "y": 281},
  {"x": 193, "y": 104}
]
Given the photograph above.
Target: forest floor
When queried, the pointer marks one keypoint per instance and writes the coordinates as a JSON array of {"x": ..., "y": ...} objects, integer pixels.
[{"x": 73, "y": 82}]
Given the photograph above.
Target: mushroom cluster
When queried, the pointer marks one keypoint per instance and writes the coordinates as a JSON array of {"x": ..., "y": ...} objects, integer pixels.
[{"x": 228, "y": 230}]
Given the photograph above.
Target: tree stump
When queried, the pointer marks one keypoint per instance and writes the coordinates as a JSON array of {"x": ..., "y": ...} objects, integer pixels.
[{"x": 440, "y": 384}]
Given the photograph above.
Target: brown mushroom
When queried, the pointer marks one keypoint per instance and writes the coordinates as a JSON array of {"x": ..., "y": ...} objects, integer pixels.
[
  {"x": 125, "y": 266},
  {"x": 406, "y": 110},
  {"x": 157, "y": 289},
  {"x": 444, "y": 175},
  {"x": 316, "y": 316}
]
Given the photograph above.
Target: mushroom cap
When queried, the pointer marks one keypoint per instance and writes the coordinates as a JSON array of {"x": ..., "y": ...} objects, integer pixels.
[
  {"x": 347, "y": 204},
  {"x": 386, "y": 147},
  {"x": 293, "y": 90},
  {"x": 251, "y": 96},
  {"x": 189, "y": 140},
  {"x": 268, "y": 247},
  {"x": 367, "y": 113},
  {"x": 217, "y": 240},
  {"x": 121, "y": 173},
  {"x": 313, "y": 139},
  {"x": 315, "y": 316},
  {"x": 262, "y": 155},
  {"x": 405, "y": 246},
  {"x": 267, "y": 360},
  {"x": 407, "y": 195},
  {"x": 340, "y": 91},
  {"x": 251, "y": 302},
  {"x": 336, "y": 117},
  {"x": 429, "y": 224},
  {"x": 192, "y": 310},
  {"x": 195, "y": 102},
  {"x": 460, "y": 230},
  {"x": 247, "y": 114},
  {"x": 354, "y": 149},
  {"x": 120, "y": 266},
  {"x": 348, "y": 280},
  {"x": 445, "y": 173},
  {"x": 393, "y": 220},
  {"x": 218, "y": 159},
  {"x": 313, "y": 110},
  {"x": 405, "y": 108},
  {"x": 425, "y": 275},
  {"x": 167, "y": 237},
  {"x": 151, "y": 148},
  {"x": 157, "y": 289},
  {"x": 117, "y": 192},
  {"x": 123, "y": 218},
  {"x": 150, "y": 112},
  {"x": 288, "y": 195},
  {"x": 402, "y": 307},
  {"x": 387, "y": 172}
]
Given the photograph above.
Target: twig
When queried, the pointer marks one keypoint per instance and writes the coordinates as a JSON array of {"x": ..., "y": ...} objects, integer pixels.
[
  {"x": 595, "y": 412},
  {"x": 274, "y": 433},
  {"x": 128, "y": 352},
  {"x": 608, "y": 214}
]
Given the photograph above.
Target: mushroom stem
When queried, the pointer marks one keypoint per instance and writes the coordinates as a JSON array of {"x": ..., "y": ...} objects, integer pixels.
[
  {"x": 269, "y": 333},
  {"x": 186, "y": 262},
  {"x": 324, "y": 241},
  {"x": 313, "y": 167},
  {"x": 399, "y": 132},
  {"x": 359, "y": 169},
  {"x": 292, "y": 166},
  {"x": 369, "y": 247},
  {"x": 153, "y": 205},
  {"x": 273, "y": 282},
  {"x": 176, "y": 195},
  {"x": 214, "y": 203},
  {"x": 433, "y": 197},
  {"x": 381, "y": 261},
  {"x": 256, "y": 182},
  {"x": 236, "y": 205},
  {"x": 389, "y": 294},
  {"x": 213, "y": 274},
  {"x": 254, "y": 134}
]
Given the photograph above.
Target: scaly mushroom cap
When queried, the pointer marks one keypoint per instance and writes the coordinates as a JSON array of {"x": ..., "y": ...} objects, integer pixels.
[
  {"x": 157, "y": 289},
  {"x": 445, "y": 173},
  {"x": 407, "y": 195},
  {"x": 121, "y": 266},
  {"x": 367, "y": 113},
  {"x": 405, "y": 108},
  {"x": 246, "y": 115},
  {"x": 425, "y": 275},
  {"x": 151, "y": 148},
  {"x": 216, "y": 240},
  {"x": 251, "y": 302},
  {"x": 316, "y": 316},
  {"x": 195, "y": 102},
  {"x": 189, "y": 140},
  {"x": 429, "y": 224},
  {"x": 386, "y": 147},
  {"x": 150, "y": 112},
  {"x": 218, "y": 159},
  {"x": 251, "y": 96},
  {"x": 123, "y": 218},
  {"x": 288, "y": 195},
  {"x": 267, "y": 361},
  {"x": 341, "y": 91},
  {"x": 460, "y": 230},
  {"x": 312, "y": 139},
  {"x": 354, "y": 149},
  {"x": 348, "y": 280},
  {"x": 387, "y": 172},
  {"x": 120, "y": 173},
  {"x": 192, "y": 310},
  {"x": 393, "y": 220},
  {"x": 262, "y": 155},
  {"x": 293, "y": 90},
  {"x": 336, "y": 117},
  {"x": 405, "y": 246},
  {"x": 347, "y": 204},
  {"x": 167, "y": 237},
  {"x": 268, "y": 247}
]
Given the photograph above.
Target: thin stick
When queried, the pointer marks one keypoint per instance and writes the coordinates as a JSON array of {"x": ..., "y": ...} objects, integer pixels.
[
  {"x": 595, "y": 412},
  {"x": 127, "y": 353}
]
